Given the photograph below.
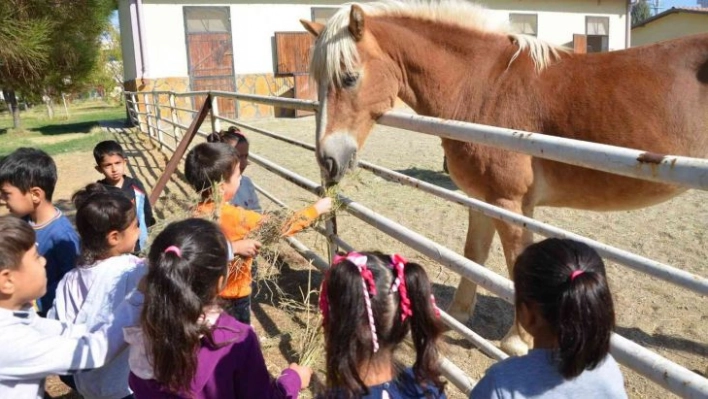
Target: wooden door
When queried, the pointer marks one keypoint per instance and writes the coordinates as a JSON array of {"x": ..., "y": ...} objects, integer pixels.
[
  {"x": 210, "y": 54},
  {"x": 580, "y": 43}
]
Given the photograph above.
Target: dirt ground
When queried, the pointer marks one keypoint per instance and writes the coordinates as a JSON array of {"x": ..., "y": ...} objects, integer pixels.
[{"x": 664, "y": 318}]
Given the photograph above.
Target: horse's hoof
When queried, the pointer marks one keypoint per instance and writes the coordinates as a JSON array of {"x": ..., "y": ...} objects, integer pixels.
[
  {"x": 514, "y": 346},
  {"x": 459, "y": 315}
]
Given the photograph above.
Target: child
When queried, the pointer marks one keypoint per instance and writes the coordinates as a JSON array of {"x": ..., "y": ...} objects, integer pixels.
[
  {"x": 563, "y": 301},
  {"x": 27, "y": 180},
  {"x": 209, "y": 354},
  {"x": 217, "y": 164},
  {"x": 369, "y": 302},
  {"x": 33, "y": 347},
  {"x": 110, "y": 162},
  {"x": 105, "y": 274},
  {"x": 246, "y": 196}
]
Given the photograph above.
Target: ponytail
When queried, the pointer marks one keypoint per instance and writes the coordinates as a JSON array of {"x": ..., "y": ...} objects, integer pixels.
[
  {"x": 587, "y": 318},
  {"x": 566, "y": 280},
  {"x": 425, "y": 326},
  {"x": 184, "y": 266}
]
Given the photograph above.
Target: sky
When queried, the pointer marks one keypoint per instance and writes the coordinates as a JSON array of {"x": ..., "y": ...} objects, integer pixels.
[{"x": 666, "y": 4}]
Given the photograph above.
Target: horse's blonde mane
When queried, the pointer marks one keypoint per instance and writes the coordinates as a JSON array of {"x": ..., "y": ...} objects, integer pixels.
[{"x": 335, "y": 48}]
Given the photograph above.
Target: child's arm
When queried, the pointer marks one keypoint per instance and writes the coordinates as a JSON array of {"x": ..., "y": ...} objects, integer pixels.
[
  {"x": 147, "y": 209},
  {"x": 305, "y": 217},
  {"x": 43, "y": 347},
  {"x": 254, "y": 381}
]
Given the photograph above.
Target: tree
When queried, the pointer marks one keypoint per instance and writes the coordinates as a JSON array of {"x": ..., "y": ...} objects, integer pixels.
[
  {"x": 640, "y": 11},
  {"x": 108, "y": 70},
  {"x": 49, "y": 46}
]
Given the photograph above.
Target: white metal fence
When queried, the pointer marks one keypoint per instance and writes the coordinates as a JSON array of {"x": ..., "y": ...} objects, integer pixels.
[{"x": 157, "y": 115}]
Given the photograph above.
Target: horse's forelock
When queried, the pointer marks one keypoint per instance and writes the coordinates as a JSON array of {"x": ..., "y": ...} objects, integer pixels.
[
  {"x": 335, "y": 53},
  {"x": 334, "y": 48}
]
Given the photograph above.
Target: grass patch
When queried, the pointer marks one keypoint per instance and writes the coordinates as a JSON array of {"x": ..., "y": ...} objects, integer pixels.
[{"x": 59, "y": 135}]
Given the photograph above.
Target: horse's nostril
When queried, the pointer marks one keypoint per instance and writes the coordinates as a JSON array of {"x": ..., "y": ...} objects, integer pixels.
[{"x": 330, "y": 166}]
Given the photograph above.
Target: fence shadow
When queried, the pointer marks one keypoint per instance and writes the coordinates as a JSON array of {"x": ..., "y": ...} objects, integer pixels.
[
  {"x": 438, "y": 178},
  {"x": 289, "y": 281},
  {"x": 664, "y": 341}
]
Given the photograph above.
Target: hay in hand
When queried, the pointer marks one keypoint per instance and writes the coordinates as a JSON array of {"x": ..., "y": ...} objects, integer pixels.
[{"x": 308, "y": 342}]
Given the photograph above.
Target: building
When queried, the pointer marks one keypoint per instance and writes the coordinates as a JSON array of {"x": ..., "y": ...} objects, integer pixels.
[
  {"x": 261, "y": 48},
  {"x": 670, "y": 24}
]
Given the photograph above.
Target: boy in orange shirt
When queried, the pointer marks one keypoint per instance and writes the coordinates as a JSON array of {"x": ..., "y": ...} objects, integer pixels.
[{"x": 215, "y": 166}]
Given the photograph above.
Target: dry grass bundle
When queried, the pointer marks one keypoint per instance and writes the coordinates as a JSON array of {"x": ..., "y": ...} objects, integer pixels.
[
  {"x": 308, "y": 342},
  {"x": 270, "y": 231}
]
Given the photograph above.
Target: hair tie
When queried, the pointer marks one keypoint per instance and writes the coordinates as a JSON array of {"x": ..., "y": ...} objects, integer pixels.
[
  {"x": 575, "y": 274},
  {"x": 367, "y": 279},
  {"x": 435, "y": 306},
  {"x": 398, "y": 263},
  {"x": 173, "y": 249}
]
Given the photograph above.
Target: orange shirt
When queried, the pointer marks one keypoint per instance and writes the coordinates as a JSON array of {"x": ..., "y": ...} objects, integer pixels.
[{"x": 236, "y": 223}]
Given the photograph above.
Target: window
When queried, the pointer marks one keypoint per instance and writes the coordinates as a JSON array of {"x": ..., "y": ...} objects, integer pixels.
[
  {"x": 323, "y": 14},
  {"x": 524, "y": 23},
  {"x": 597, "y": 30},
  {"x": 207, "y": 19}
]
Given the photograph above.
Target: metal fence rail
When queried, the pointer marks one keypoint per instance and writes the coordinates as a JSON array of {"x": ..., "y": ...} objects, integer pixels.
[{"x": 671, "y": 169}]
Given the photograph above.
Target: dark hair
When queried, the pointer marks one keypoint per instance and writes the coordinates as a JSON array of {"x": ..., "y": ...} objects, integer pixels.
[
  {"x": 100, "y": 210},
  {"x": 579, "y": 309},
  {"x": 108, "y": 147},
  {"x": 178, "y": 287},
  {"x": 225, "y": 136},
  {"x": 348, "y": 335},
  {"x": 210, "y": 163},
  {"x": 26, "y": 167},
  {"x": 16, "y": 238}
]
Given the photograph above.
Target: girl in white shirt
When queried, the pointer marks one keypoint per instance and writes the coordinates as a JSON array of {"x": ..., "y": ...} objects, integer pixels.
[{"x": 106, "y": 273}]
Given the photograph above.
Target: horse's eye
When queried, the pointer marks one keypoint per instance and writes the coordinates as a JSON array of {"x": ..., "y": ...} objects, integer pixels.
[{"x": 349, "y": 80}]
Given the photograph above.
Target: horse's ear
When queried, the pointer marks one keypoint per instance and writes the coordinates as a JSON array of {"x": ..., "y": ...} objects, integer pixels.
[
  {"x": 313, "y": 27},
  {"x": 356, "y": 22}
]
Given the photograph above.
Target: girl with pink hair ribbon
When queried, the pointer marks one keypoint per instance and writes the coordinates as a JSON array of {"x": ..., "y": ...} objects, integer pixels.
[{"x": 370, "y": 302}]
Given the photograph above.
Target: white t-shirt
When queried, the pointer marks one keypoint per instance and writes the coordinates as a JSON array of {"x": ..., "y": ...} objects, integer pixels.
[{"x": 90, "y": 295}]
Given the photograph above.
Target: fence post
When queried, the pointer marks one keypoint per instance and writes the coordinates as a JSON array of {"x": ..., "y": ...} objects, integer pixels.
[
  {"x": 158, "y": 118},
  {"x": 147, "y": 115},
  {"x": 175, "y": 118},
  {"x": 138, "y": 117},
  {"x": 215, "y": 123}
]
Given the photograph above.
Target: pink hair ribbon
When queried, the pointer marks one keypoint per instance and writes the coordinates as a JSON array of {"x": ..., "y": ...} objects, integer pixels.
[
  {"x": 173, "y": 249},
  {"x": 367, "y": 283},
  {"x": 399, "y": 285},
  {"x": 575, "y": 274}
]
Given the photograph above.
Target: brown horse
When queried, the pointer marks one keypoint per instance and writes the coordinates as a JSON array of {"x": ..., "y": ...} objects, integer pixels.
[{"x": 450, "y": 60}]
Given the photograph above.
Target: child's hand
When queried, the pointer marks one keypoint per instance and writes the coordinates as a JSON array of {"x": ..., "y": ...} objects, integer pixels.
[
  {"x": 246, "y": 248},
  {"x": 324, "y": 205},
  {"x": 304, "y": 372}
]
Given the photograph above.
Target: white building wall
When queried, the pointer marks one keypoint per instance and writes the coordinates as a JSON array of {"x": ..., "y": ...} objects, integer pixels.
[
  {"x": 559, "y": 20},
  {"x": 253, "y": 27}
]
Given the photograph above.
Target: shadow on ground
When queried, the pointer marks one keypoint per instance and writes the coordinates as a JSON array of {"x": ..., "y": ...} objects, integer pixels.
[{"x": 439, "y": 178}]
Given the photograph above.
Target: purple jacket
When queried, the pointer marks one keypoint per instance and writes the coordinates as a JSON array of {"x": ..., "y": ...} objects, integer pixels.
[{"x": 235, "y": 370}]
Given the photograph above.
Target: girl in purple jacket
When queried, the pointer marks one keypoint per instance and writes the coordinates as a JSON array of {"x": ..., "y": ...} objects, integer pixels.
[{"x": 186, "y": 346}]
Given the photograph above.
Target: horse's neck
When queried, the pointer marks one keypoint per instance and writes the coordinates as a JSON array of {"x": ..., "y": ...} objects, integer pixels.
[{"x": 443, "y": 70}]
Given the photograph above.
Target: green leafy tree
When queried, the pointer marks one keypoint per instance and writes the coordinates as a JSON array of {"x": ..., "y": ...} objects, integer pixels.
[
  {"x": 49, "y": 46},
  {"x": 640, "y": 11}
]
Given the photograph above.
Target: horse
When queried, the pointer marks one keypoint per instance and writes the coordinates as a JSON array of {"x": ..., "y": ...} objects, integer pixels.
[{"x": 450, "y": 59}]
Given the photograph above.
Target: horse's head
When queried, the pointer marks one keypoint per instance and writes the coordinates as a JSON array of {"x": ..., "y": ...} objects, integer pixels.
[{"x": 357, "y": 83}]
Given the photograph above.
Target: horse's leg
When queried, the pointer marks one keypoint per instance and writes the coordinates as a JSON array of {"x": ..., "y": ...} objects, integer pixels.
[
  {"x": 514, "y": 240},
  {"x": 480, "y": 233}
]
